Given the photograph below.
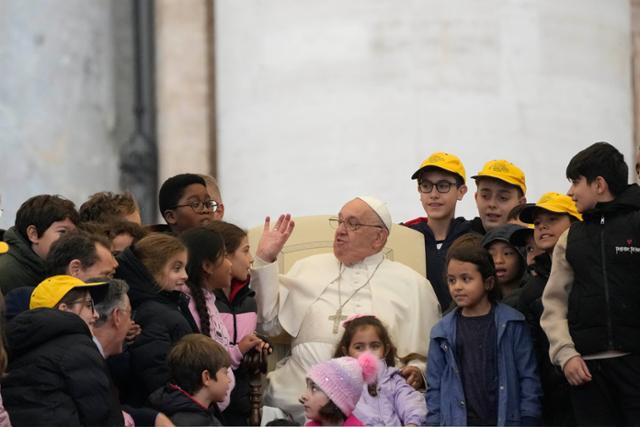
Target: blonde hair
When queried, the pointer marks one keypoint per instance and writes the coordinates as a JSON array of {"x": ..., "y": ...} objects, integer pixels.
[{"x": 155, "y": 250}]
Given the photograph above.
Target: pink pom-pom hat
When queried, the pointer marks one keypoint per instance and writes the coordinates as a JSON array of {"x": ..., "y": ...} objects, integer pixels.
[{"x": 342, "y": 379}]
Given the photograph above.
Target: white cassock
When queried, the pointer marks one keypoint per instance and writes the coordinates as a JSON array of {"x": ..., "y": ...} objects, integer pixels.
[{"x": 302, "y": 301}]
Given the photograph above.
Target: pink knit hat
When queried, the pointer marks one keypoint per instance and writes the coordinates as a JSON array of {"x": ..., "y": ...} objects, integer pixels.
[{"x": 342, "y": 379}]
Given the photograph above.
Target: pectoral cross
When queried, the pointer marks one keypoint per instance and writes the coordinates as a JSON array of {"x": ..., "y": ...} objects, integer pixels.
[{"x": 336, "y": 319}]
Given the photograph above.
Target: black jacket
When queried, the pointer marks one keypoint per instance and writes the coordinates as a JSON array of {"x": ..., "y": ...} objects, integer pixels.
[
  {"x": 604, "y": 253},
  {"x": 164, "y": 318},
  {"x": 182, "y": 409},
  {"x": 21, "y": 266},
  {"x": 56, "y": 375},
  {"x": 436, "y": 257}
]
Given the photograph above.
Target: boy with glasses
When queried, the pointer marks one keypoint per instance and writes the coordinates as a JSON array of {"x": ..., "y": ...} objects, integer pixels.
[
  {"x": 441, "y": 185},
  {"x": 185, "y": 203}
]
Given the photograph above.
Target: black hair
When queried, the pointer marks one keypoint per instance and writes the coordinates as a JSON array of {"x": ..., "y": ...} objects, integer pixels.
[
  {"x": 600, "y": 159},
  {"x": 468, "y": 248},
  {"x": 77, "y": 245},
  {"x": 173, "y": 188},
  {"x": 191, "y": 356},
  {"x": 282, "y": 422},
  {"x": 43, "y": 210},
  {"x": 203, "y": 245},
  {"x": 515, "y": 212}
]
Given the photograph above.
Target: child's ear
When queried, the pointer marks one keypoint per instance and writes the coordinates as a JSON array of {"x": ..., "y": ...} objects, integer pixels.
[
  {"x": 489, "y": 283},
  {"x": 205, "y": 377},
  {"x": 462, "y": 190},
  {"x": 32, "y": 234},
  {"x": 170, "y": 216},
  {"x": 602, "y": 186}
]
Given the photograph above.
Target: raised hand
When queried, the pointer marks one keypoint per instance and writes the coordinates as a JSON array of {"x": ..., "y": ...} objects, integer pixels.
[{"x": 273, "y": 239}]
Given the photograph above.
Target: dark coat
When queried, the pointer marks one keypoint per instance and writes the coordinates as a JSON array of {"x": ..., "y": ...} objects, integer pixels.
[
  {"x": 182, "y": 408},
  {"x": 164, "y": 318},
  {"x": 604, "y": 253},
  {"x": 436, "y": 257},
  {"x": 56, "y": 375},
  {"x": 21, "y": 266}
]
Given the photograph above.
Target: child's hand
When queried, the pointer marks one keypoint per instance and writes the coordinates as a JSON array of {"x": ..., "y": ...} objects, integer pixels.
[
  {"x": 252, "y": 341},
  {"x": 133, "y": 332},
  {"x": 413, "y": 376},
  {"x": 576, "y": 371}
]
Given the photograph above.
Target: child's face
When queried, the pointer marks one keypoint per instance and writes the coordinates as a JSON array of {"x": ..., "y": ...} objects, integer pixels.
[
  {"x": 366, "y": 339},
  {"x": 585, "y": 195},
  {"x": 507, "y": 261},
  {"x": 41, "y": 245},
  {"x": 241, "y": 261},
  {"x": 439, "y": 205},
  {"x": 218, "y": 389},
  {"x": 494, "y": 200},
  {"x": 531, "y": 250},
  {"x": 313, "y": 399},
  {"x": 183, "y": 216},
  {"x": 83, "y": 307},
  {"x": 467, "y": 287},
  {"x": 174, "y": 274},
  {"x": 548, "y": 228},
  {"x": 219, "y": 273}
]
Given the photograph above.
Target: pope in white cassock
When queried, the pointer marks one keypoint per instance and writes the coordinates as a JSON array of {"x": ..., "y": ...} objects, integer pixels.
[{"x": 319, "y": 291}]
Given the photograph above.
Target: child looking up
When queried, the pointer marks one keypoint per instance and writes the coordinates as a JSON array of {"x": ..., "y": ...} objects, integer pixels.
[
  {"x": 481, "y": 368},
  {"x": 334, "y": 387},
  {"x": 390, "y": 401},
  {"x": 209, "y": 269},
  {"x": 197, "y": 381},
  {"x": 441, "y": 184},
  {"x": 509, "y": 262},
  {"x": 238, "y": 310}
]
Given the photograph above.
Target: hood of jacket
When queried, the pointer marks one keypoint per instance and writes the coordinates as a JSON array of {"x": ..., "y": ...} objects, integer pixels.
[
  {"x": 21, "y": 249},
  {"x": 171, "y": 400},
  {"x": 628, "y": 200},
  {"x": 33, "y": 328}
]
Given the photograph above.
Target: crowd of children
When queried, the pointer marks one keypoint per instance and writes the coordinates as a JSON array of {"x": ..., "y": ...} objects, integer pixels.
[{"x": 109, "y": 322}]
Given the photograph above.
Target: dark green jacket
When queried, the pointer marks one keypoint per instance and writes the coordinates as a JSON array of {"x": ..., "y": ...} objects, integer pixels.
[{"x": 21, "y": 266}]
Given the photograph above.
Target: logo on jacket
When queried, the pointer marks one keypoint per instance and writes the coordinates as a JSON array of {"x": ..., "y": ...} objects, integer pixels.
[{"x": 629, "y": 249}]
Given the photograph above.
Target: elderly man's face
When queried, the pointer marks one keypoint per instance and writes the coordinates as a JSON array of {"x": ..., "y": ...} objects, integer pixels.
[{"x": 352, "y": 246}]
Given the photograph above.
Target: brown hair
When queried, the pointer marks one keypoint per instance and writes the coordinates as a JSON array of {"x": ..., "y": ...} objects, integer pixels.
[
  {"x": 192, "y": 355},
  {"x": 155, "y": 250},
  {"x": 231, "y": 233},
  {"x": 105, "y": 205}
]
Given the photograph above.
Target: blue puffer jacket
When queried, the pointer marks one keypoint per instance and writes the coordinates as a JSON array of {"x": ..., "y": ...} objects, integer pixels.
[{"x": 519, "y": 390}]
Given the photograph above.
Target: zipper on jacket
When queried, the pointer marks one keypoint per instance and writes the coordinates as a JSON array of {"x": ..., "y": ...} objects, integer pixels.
[{"x": 606, "y": 285}]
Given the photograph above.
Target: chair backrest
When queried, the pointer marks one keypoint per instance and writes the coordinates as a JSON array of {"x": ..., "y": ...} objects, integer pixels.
[{"x": 313, "y": 235}]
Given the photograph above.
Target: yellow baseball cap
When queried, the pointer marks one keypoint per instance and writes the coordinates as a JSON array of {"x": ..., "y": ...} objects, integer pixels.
[
  {"x": 503, "y": 171},
  {"x": 552, "y": 202},
  {"x": 442, "y": 160},
  {"x": 51, "y": 290}
]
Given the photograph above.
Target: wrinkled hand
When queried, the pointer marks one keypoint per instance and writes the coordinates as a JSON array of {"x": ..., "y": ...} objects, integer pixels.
[
  {"x": 133, "y": 332},
  {"x": 413, "y": 376},
  {"x": 273, "y": 239},
  {"x": 252, "y": 341},
  {"x": 576, "y": 371}
]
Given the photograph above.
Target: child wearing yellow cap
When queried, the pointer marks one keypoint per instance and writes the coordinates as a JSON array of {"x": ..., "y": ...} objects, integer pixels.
[
  {"x": 592, "y": 299},
  {"x": 441, "y": 185},
  {"x": 551, "y": 216},
  {"x": 501, "y": 187}
]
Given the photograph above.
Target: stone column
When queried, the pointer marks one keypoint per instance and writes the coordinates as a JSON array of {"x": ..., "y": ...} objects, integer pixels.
[{"x": 184, "y": 86}]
